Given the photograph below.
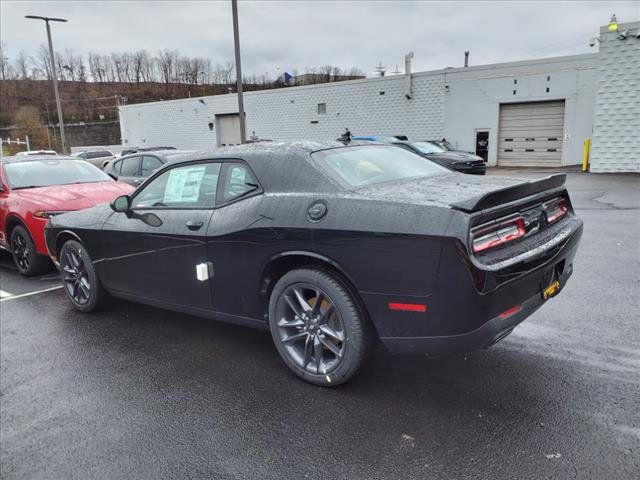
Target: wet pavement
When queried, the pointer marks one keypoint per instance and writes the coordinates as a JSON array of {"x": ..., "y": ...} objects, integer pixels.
[{"x": 137, "y": 392}]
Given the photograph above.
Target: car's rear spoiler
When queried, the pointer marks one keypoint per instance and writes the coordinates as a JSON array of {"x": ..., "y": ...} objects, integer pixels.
[{"x": 509, "y": 194}]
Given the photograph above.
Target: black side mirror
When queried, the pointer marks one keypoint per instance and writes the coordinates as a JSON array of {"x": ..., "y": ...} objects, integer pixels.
[{"x": 121, "y": 204}]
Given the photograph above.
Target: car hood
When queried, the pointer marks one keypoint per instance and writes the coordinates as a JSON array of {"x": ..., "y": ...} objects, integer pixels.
[
  {"x": 444, "y": 190},
  {"x": 73, "y": 197}
]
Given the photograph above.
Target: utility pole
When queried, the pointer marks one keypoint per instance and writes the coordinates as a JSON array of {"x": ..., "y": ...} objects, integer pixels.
[
  {"x": 236, "y": 41},
  {"x": 54, "y": 75}
]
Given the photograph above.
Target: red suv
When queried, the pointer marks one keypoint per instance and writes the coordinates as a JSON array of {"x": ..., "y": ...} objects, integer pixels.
[{"x": 35, "y": 188}]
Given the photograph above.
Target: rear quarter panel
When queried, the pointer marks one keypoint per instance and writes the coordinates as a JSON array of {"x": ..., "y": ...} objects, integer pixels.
[{"x": 382, "y": 248}]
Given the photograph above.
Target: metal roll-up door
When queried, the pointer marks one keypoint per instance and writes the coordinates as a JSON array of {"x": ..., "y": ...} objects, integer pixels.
[
  {"x": 228, "y": 129},
  {"x": 530, "y": 134}
]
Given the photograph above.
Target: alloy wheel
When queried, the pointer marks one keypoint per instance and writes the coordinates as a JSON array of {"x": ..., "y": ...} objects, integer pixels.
[
  {"x": 75, "y": 276},
  {"x": 21, "y": 251},
  {"x": 310, "y": 328}
]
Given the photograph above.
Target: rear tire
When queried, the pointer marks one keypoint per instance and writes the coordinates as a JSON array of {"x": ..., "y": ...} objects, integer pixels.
[
  {"x": 81, "y": 284},
  {"x": 25, "y": 256},
  {"x": 318, "y": 327}
]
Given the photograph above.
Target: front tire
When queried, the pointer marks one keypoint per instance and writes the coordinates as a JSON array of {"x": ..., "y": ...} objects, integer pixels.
[
  {"x": 318, "y": 327},
  {"x": 25, "y": 256},
  {"x": 81, "y": 284}
]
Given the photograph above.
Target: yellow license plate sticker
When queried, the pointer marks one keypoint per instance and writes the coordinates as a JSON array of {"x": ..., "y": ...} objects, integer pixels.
[{"x": 551, "y": 290}]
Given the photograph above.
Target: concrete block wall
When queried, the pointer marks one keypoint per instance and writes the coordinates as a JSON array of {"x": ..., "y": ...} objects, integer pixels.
[
  {"x": 615, "y": 143},
  {"x": 368, "y": 106}
]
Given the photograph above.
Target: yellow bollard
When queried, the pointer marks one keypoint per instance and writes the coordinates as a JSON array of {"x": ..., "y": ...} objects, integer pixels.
[{"x": 585, "y": 155}]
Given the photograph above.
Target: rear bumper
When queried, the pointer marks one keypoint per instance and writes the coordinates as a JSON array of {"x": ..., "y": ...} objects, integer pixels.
[
  {"x": 488, "y": 334},
  {"x": 459, "y": 318}
]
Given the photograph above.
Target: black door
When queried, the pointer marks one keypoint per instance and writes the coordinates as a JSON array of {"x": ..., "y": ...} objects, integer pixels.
[
  {"x": 157, "y": 251},
  {"x": 482, "y": 145}
]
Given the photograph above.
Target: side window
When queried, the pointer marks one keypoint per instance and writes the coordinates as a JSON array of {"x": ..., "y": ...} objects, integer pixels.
[
  {"x": 238, "y": 181},
  {"x": 149, "y": 164},
  {"x": 186, "y": 186},
  {"x": 130, "y": 167}
]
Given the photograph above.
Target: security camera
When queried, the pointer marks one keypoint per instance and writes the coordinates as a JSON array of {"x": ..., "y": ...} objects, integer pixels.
[{"x": 592, "y": 42}]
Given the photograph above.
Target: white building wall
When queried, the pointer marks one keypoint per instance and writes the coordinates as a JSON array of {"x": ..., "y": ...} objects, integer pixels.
[
  {"x": 616, "y": 129},
  {"x": 364, "y": 106},
  {"x": 453, "y": 103},
  {"x": 475, "y": 94}
]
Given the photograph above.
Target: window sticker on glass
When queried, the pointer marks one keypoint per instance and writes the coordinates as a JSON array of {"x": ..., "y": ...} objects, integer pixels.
[{"x": 184, "y": 184}]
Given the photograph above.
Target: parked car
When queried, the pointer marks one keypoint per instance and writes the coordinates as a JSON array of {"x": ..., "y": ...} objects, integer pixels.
[
  {"x": 38, "y": 153},
  {"x": 459, "y": 161},
  {"x": 331, "y": 247},
  {"x": 99, "y": 158},
  {"x": 449, "y": 147},
  {"x": 34, "y": 189},
  {"x": 135, "y": 168},
  {"x": 130, "y": 150}
]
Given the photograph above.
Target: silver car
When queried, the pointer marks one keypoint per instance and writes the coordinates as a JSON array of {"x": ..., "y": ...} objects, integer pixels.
[{"x": 99, "y": 158}]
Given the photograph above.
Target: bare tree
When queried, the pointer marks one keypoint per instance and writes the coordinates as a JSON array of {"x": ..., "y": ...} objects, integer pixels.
[
  {"x": 4, "y": 63},
  {"x": 42, "y": 62},
  {"x": 21, "y": 65},
  {"x": 167, "y": 60}
]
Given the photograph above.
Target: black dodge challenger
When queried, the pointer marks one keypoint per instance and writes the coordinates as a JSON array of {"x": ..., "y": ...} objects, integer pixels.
[{"x": 330, "y": 247}]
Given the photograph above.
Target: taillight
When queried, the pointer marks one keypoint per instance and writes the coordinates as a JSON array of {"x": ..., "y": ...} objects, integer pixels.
[
  {"x": 498, "y": 233},
  {"x": 556, "y": 209}
]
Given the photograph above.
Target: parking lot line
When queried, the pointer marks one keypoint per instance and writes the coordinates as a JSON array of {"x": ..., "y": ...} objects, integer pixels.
[{"x": 4, "y": 296}]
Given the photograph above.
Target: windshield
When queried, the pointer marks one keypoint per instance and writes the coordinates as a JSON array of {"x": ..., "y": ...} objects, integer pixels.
[
  {"x": 43, "y": 173},
  {"x": 427, "y": 147},
  {"x": 365, "y": 165}
]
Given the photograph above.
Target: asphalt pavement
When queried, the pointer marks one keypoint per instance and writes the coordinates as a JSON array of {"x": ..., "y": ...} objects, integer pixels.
[{"x": 137, "y": 392}]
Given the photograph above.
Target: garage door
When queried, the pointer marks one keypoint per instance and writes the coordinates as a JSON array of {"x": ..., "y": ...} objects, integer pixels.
[
  {"x": 530, "y": 134},
  {"x": 228, "y": 129}
]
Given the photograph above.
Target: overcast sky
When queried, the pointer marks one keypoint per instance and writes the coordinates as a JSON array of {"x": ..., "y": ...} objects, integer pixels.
[{"x": 293, "y": 35}]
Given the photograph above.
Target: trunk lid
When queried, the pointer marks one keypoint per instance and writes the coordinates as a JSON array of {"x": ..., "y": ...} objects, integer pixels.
[{"x": 466, "y": 193}]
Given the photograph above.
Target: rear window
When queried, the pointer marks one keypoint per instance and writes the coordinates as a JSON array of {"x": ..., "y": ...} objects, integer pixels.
[
  {"x": 366, "y": 165},
  {"x": 45, "y": 173}
]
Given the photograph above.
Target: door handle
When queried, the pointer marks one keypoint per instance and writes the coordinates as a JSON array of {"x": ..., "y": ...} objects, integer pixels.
[{"x": 193, "y": 225}]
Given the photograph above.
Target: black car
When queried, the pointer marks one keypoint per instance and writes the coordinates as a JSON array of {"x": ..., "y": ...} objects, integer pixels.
[
  {"x": 459, "y": 161},
  {"x": 330, "y": 247},
  {"x": 133, "y": 169},
  {"x": 449, "y": 147}
]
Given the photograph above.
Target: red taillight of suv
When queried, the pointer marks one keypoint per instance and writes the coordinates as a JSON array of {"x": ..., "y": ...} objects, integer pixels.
[
  {"x": 498, "y": 233},
  {"x": 556, "y": 209}
]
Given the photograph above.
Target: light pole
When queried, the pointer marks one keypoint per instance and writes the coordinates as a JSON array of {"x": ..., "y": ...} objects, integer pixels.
[
  {"x": 236, "y": 41},
  {"x": 53, "y": 73}
]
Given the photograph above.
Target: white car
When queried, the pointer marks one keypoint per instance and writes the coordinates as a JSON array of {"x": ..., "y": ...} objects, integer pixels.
[{"x": 99, "y": 158}]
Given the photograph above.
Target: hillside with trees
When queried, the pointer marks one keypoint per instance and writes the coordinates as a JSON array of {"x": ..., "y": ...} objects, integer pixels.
[{"x": 93, "y": 85}]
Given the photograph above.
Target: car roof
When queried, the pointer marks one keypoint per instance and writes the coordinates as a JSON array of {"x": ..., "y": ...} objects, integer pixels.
[
  {"x": 164, "y": 154},
  {"x": 34, "y": 158},
  {"x": 272, "y": 163}
]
